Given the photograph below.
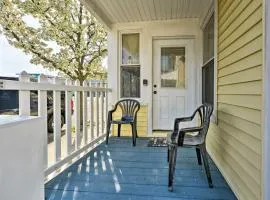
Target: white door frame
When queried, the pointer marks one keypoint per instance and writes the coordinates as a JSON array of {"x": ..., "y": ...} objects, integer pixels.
[
  {"x": 191, "y": 40},
  {"x": 266, "y": 106}
]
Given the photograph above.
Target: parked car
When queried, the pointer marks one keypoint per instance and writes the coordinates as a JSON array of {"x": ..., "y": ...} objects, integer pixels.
[
  {"x": 50, "y": 122},
  {"x": 9, "y": 104}
]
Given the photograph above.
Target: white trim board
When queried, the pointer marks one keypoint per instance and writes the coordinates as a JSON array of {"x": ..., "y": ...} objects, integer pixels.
[
  {"x": 215, "y": 113},
  {"x": 208, "y": 14},
  {"x": 98, "y": 14},
  {"x": 119, "y": 61},
  {"x": 266, "y": 105}
]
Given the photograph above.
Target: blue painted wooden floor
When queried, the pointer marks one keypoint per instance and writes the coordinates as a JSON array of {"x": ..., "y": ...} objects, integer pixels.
[{"x": 120, "y": 171}]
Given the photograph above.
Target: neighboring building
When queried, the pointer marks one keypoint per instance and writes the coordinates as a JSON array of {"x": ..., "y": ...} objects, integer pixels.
[
  {"x": 9, "y": 99},
  {"x": 174, "y": 55}
]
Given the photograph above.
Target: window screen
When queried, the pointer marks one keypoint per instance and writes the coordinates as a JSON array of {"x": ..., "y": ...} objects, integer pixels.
[
  {"x": 208, "y": 59},
  {"x": 130, "y": 81},
  {"x": 208, "y": 83}
]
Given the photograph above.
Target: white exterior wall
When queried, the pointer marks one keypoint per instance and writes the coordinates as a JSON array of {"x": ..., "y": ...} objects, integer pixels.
[
  {"x": 149, "y": 30},
  {"x": 21, "y": 157}
]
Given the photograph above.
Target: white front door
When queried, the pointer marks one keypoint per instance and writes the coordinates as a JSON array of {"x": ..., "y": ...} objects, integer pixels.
[{"x": 173, "y": 81}]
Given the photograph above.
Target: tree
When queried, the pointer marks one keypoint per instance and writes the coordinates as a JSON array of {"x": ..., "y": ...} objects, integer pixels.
[{"x": 80, "y": 39}]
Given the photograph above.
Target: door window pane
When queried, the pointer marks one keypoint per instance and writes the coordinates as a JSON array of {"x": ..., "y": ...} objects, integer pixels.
[
  {"x": 173, "y": 67},
  {"x": 130, "y": 48},
  {"x": 130, "y": 81}
]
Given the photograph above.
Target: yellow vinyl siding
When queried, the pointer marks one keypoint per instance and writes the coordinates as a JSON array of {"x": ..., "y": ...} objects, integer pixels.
[
  {"x": 235, "y": 142},
  {"x": 253, "y": 87},
  {"x": 250, "y": 48},
  {"x": 252, "y": 60},
  {"x": 142, "y": 123},
  {"x": 249, "y": 128},
  {"x": 250, "y": 115}
]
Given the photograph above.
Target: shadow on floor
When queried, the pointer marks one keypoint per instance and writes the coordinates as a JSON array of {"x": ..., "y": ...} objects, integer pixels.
[{"x": 119, "y": 171}]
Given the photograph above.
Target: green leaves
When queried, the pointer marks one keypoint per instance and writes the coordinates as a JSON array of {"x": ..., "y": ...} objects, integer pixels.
[{"x": 81, "y": 40}]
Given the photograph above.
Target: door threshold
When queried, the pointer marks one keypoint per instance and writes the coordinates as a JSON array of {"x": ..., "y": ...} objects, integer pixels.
[
  {"x": 160, "y": 133},
  {"x": 161, "y": 130}
]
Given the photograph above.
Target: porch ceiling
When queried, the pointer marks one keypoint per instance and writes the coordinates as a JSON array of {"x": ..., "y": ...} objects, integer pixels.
[{"x": 119, "y": 11}]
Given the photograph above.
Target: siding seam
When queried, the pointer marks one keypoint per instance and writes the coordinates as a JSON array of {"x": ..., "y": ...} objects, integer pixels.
[{"x": 242, "y": 70}]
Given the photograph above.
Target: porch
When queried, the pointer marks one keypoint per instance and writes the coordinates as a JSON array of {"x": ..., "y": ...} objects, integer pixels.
[
  {"x": 236, "y": 138},
  {"x": 120, "y": 171}
]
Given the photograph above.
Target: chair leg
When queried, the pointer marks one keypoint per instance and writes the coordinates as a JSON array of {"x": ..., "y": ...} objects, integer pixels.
[
  {"x": 119, "y": 130},
  {"x": 168, "y": 155},
  {"x": 136, "y": 130},
  {"x": 198, "y": 152},
  {"x": 108, "y": 132},
  {"x": 172, "y": 164},
  {"x": 133, "y": 134},
  {"x": 206, "y": 165}
]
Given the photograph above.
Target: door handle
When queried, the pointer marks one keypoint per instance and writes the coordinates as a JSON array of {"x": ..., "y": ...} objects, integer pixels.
[
  {"x": 155, "y": 92},
  {"x": 155, "y": 86}
]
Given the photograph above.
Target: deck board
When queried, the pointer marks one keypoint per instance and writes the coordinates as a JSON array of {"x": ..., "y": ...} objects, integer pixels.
[{"x": 120, "y": 171}]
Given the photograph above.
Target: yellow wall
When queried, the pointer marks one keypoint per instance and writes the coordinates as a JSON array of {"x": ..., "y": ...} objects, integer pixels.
[
  {"x": 141, "y": 123},
  {"x": 235, "y": 142}
]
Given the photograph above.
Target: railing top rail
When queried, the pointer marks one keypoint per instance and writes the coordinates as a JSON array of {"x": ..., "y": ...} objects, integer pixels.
[{"x": 26, "y": 86}]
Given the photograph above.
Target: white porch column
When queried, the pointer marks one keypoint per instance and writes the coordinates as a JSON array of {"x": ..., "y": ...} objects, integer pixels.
[{"x": 24, "y": 96}]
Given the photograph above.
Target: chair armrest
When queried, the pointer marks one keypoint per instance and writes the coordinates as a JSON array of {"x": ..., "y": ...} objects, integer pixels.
[
  {"x": 172, "y": 137},
  {"x": 114, "y": 109},
  {"x": 182, "y": 119},
  {"x": 110, "y": 115},
  {"x": 177, "y": 137},
  {"x": 110, "y": 112},
  {"x": 183, "y": 132},
  {"x": 191, "y": 129}
]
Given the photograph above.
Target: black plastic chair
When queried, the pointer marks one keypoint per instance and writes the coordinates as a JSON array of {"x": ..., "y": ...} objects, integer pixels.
[
  {"x": 130, "y": 108},
  {"x": 180, "y": 138}
]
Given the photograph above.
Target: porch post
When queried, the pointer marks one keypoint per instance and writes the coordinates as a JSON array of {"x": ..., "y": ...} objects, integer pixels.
[
  {"x": 24, "y": 96},
  {"x": 266, "y": 100}
]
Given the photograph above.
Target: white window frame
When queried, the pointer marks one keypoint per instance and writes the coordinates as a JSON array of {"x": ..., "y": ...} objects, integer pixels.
[
  {"x": 120, "y": 64},
  {"x": 213, "y": 10},
  {"x": 266, "y": 104}
]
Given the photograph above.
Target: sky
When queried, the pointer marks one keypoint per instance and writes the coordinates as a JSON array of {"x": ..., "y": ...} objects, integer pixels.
[{"x": 13, "y": 60}]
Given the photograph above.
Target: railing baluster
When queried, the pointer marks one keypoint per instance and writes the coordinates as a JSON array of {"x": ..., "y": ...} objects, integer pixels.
[
  {"x": 102, "y": 109},
  {"x": 77, "y": 117},
  {"x": 57, "y": 120},
  {"x": 106, "y": 104},
  {"x": 68, "y": 95},
  {"x": 99, "y": 96},
  {"x": 85, "y": 134},
  {"x": 97, "y": 108},
  {"x": 42, "y": 112},
  {"x": 92, "y": 112},
  {"x": 24, "y": 96}
]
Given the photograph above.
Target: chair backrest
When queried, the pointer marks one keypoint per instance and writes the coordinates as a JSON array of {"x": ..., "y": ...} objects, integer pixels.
[
  {"x": 205, "y": 111},
  {"x": 129, "y": 107}
]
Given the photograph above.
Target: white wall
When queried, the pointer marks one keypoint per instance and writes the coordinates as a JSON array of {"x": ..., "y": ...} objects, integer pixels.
[
  {"x": 21, "y": 158},
  {"x": 148, "y": 31}
]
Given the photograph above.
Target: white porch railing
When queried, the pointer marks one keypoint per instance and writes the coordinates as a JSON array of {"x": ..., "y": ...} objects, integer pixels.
[{"x": 77, "y": 138}]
